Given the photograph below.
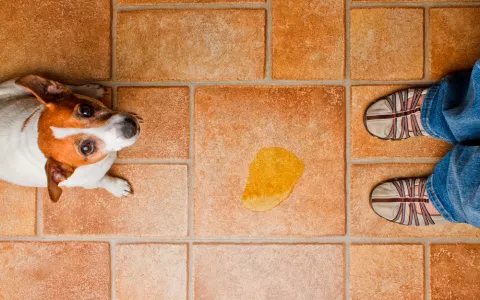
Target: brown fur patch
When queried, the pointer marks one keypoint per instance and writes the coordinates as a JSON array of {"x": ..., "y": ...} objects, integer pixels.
[{"x": 25, "y": 123}]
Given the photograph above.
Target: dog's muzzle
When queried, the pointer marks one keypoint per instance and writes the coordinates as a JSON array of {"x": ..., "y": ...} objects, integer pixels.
[{"x": 130, "y": 127}]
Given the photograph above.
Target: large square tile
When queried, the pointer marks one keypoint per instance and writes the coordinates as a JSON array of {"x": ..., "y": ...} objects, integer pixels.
[
  {"x": 365, "y": 145},
  {"x": 151, "y": 271},
  {"x": 158, "y": 207},
  {"x": 166, "y": 128},
  {"x": 387, "y": 272},
  {"x": 386, "y": 43},
  {"x": 273, "y": 272},
  {"x": 365, "y": 222},
  {"x": 199, "y": 44},
  {"x": 17, "y": 210},
  {"x": 232, "y": 124},
  {"x": 308, "y": 39},
  {"x": 64, "y": 39},
  {"x": 454, "y": 39},
  {"x": 454, "y": 272},
  {"x": 61, "y": 270}
]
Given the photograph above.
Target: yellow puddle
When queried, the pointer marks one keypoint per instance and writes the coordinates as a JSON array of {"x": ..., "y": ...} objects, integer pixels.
[{"x": 273, "y": 175}]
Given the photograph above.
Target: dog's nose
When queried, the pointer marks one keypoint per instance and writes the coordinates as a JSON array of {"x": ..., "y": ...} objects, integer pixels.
[{"x": 130, "y": 128}]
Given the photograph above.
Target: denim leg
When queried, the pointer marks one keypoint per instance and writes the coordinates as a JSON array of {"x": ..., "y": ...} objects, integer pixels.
[
  {"x": 451, "y": 110},
  {"x": 454, "y": 187}
]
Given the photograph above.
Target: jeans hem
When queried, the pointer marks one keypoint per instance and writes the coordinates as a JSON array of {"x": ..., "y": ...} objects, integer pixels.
[
  {"x": 437, "y": 203},
  {"x": 427, "y": 109}
]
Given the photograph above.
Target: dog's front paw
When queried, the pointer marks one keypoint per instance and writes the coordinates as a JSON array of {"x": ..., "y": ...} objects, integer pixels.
[
  {"x": 96, "y": 91},
  {"x": 118, "y": 187},
  {"x": 91, "y": 90}
]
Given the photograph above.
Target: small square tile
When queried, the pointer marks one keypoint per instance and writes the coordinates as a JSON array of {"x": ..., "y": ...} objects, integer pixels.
[
  {"x": 18, "y": 210},
  {"x": 454, "y": 272},
  {"x": 139, "y": 2},
  {"x": 268, "y": 272},
  {"x": 386, "y": 43},
  {"x": 151, "y": 271},
  {"x": 454, "y": 39},
  {"x": 166, "y": 128},
  {"x": 158, "y": 207},
  {"x": 387, "y": 272},
  {"x": 232, "y": 124},
  {"x": 365, "y": 222},
  {"x": 308, "y": 39},
  {"x": 199, "y": 44},
  {"x": 365, "y": 145},
  {"x": 64, "y": 40},
  {"x": 61, "y": 270}
]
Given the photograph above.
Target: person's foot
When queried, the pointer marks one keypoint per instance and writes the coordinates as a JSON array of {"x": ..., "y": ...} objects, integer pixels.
[
  {"x": 406, "y": 202},
  {"x": 397, "y": 116}
]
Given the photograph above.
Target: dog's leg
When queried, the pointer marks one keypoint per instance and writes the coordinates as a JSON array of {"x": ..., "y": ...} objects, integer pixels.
[
  {"x": 116, "y": 186},
  {"x": 91, "y": 90},
  {"x": 9, "y": 89}
]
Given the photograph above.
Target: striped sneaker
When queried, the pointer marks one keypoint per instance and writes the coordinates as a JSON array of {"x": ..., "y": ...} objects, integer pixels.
[
  {"x": 397, "y": 116},
  {"x": 406, "y": 202}
]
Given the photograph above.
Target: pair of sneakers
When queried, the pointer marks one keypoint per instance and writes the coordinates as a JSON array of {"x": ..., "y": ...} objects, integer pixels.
[{"x": 404, "y": 201}]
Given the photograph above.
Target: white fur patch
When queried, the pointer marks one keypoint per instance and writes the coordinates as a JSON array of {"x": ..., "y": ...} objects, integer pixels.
[{"x": 110, "y": 134}]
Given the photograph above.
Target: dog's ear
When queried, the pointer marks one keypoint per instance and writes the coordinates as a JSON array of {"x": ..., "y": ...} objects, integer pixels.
[
  {"x": 56, "y": 173},
  {"x": 46, "y": 90}
]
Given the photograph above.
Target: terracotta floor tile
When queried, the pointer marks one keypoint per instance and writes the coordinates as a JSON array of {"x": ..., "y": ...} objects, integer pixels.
[
  {"x": 454, "y": 272},
  {"x": 366, "y": 145},
  {"x": 166, "y": 128},
  {"x": 200, "y": 44},
  {"x": 136, "y": 2},
  {"x": 366, "y": 223},
  {"x": 403, "y": 1},
  {"x": 68, "y": 40},
  {"x": 308, "y": 39},
  {"x": 387, "y": 272},
  {"x": 62, "y": 270},
  {"x": 17, "y": 210},
  {"x": 268, "y": 272},
  {"x": 454, "y": 39},
  {"x": 151, "y": 271},
  {"x": 233, "y": 123},
  {"x": 380, "y": 51},
  {"x": 158, "y": 207}
]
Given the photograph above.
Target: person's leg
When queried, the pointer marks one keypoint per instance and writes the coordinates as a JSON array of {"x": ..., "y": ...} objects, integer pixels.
[
  {"x": 454, "y": 187},
  {"x": 451, "y": 110}
]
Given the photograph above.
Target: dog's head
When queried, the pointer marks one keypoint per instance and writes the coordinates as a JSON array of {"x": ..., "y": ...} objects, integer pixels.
[{"x": 76, "y": 130}]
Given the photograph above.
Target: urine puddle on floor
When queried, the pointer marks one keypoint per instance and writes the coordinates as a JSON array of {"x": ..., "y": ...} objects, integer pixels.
[{"x": 273, "y": 174}]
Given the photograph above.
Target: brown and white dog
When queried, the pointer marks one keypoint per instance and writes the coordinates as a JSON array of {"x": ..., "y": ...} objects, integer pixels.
[{"x": 54, "y": 135}]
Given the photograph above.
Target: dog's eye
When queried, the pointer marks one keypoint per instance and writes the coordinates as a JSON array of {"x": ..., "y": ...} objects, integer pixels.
[
  {"x": 85, "y": 110},
  {"x": 87, "y": 148}
]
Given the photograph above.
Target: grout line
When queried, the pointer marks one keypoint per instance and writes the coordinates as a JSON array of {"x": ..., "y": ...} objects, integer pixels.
[
  {"x": 246, "y": 240},
  {"x": 426, "y": 272},
  {"x": 193, "y": 6},
  {"x": 191, "y": 149},
  {"x": 347, "y": 148},
  {"x": 113, "y": 262},
  {"x": 39, "y": 221},
  {"x": 153, "y": 161},
  {"x": 400, "y": 160},
  {"x": 114, "y": 40},
  {"x": 268, "y": 41},
  {"x": 426, "y": 37},
  {"x": 190, "y": 271},
  {"x": 379, "y": 4},
  {"x": 265, "y": 82}
]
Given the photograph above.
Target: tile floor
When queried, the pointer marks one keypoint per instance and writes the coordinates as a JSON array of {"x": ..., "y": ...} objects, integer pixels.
[{"x": 216, "y": 81}]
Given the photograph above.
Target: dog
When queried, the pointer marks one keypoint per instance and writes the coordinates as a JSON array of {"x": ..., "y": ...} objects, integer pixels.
[{"x": 55, "y": 135}]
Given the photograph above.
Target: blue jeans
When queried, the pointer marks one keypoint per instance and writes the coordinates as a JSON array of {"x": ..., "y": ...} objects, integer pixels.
[{"x": 451, "y": 112}]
